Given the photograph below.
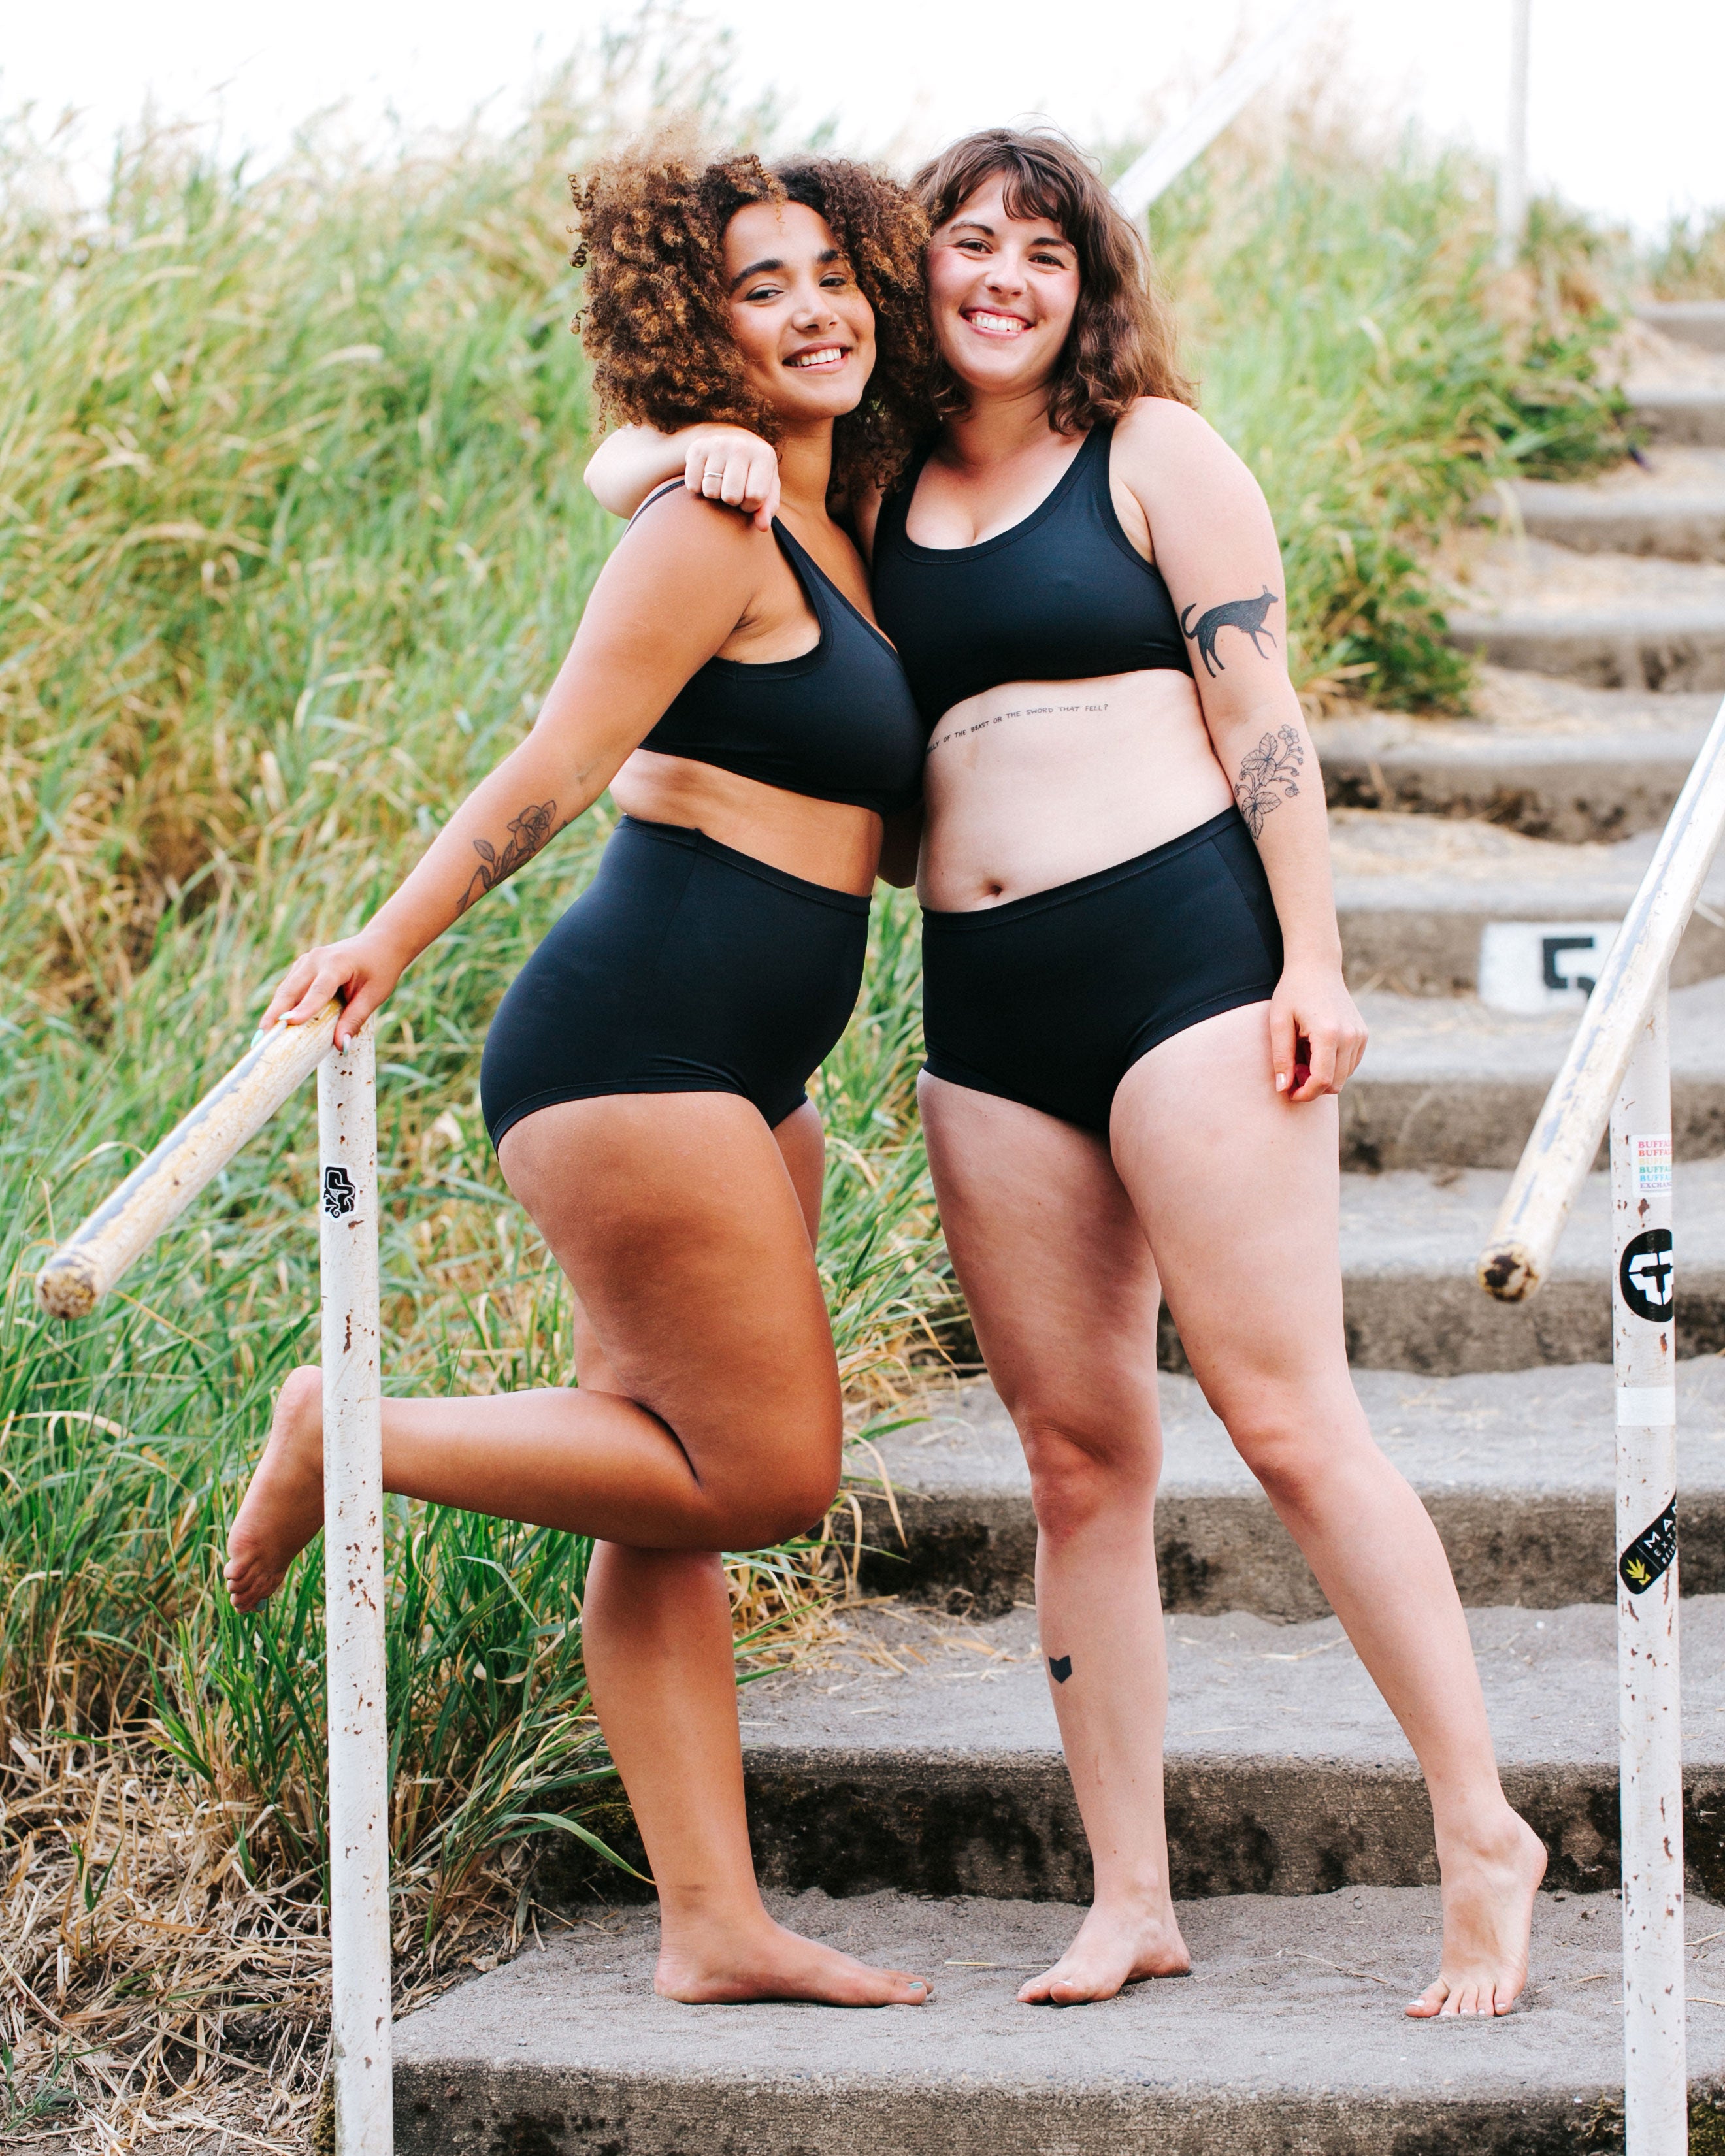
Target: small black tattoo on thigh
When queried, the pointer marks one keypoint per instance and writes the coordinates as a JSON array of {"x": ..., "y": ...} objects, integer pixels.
[
  {"x": 1060, "y": 1667},
  {"x": 1268, "y": 776}
]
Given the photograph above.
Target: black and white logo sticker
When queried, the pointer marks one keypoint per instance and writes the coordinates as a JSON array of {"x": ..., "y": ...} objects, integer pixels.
[
  {"x": 1647, "y": 1276},
  {"x": 1650, "y": 1553},
  {"x": 339, "y": 1193}
]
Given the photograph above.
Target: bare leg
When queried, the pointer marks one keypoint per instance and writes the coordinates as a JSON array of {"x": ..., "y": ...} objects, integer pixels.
[
  {"x": 1239, "y": 1191},
  {"x": 679, "y": 1227},
  {"x": 656, "y": 1629},
  {"x": 656, "y": 1623},
  {"x": 1063, "y": 1292}
]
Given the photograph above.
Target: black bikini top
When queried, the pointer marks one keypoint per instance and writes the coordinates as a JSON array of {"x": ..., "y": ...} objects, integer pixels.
[
  {"x": 838, "y": 723},
  {"x": 1061, "y": 597}
]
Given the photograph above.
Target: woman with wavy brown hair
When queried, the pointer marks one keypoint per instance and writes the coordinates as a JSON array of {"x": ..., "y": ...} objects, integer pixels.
[
  {"x": 642, "y": 1078},
  {"x": 1136, "y": 1016}
]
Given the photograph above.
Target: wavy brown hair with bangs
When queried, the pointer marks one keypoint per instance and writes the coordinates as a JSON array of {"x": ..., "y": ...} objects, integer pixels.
[
  {"x": 1124, "y": 343},
  {"x": 655, "y": 316}
]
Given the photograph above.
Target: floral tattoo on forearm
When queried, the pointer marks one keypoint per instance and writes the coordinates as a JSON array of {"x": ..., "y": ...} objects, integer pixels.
[
  {"x": 528, "y": 832},
  {"x": 1268, "y": 776}
]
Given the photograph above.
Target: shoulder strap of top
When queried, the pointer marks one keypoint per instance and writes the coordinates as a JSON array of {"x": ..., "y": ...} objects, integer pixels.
[
  {"x": 808, "y": 572},
  {"x": 1098, "y": 444},
  {"x": 896, "y": 509},
  {"x": 659, "y": 493}
]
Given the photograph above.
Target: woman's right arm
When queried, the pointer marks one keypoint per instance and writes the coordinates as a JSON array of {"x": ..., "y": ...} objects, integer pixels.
[
  {"x": 664, "y": 603},
  {"x": 724, "y": 464}
]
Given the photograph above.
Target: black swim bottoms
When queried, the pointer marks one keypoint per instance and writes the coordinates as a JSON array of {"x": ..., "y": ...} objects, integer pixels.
[
  {"x": 684, "y": 967},
  {"x": 1050, "y": 999}
]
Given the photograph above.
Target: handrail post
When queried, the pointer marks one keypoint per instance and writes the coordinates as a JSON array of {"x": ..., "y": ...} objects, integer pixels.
[
  {"x": 354, "y": 1589},
  {"x": 1512, "y": 173},
  {"x": 1651, "y": 1761}
]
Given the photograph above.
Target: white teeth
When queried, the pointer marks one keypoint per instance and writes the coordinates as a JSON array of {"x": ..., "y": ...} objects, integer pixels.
[
  {"x": 825, "y": 356},
  {"x": 985, "y": 321}
]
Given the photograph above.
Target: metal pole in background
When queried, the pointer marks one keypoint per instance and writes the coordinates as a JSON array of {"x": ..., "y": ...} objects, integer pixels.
[
  {"x": 1655, "y": 2100},
  {"x": 1512, "y": 174},
  {"x": 353, "y": 1575}
]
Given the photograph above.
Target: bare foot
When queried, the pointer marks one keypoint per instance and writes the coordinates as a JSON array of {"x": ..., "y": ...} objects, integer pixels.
[
  {"x": 284, "y": 1507},
  {"x": 1488, "y": 1912},
  {"x": 774, "y": 1964},
  {"x": 1116, "y": 1945}
]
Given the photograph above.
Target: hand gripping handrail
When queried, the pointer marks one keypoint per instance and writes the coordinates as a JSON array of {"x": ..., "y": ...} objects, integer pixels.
[
  {"x": 1618, "y": 1071},
  {"x": 72, "y": 1282}
]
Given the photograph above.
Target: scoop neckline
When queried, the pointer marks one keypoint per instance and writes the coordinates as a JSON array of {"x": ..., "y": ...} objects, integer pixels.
[{"x": 1049, "y": 502}]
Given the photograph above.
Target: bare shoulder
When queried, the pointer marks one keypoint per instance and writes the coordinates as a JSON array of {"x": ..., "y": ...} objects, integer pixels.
[
  {"x": 684, "y": 532},
  {"x": 1157, "y": 435}
]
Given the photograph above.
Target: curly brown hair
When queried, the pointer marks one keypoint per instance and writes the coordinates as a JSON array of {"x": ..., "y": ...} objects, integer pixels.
[
  {"x": 1123, "y": 342},
  {"x": 655, "y": 314}
]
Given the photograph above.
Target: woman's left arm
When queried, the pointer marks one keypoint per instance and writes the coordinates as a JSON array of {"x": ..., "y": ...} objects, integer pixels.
[{"x": 1215, "y": 545}]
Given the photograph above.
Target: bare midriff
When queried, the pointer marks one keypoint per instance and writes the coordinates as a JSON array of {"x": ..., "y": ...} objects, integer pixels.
[
  {"x": 824, "y": 842},
  {"x": 1037, "y": 784}
]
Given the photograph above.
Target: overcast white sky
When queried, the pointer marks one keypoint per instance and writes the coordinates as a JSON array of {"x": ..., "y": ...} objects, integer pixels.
[{"x": 1626, "y": 112}]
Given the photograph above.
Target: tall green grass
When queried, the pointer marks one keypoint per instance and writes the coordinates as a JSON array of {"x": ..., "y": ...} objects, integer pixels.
[
  {"x": 291, "y": 539},
  {"x": 1353, "y": 342}
]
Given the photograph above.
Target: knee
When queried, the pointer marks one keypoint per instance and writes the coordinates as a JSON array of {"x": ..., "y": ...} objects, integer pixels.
[
  {"x": 1080, "y": 1475},
  {"x": 778, "y": 1501},
  {"x": 1283, "y": 1450}
]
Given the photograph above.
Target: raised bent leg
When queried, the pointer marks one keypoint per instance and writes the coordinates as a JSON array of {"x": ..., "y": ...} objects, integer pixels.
[
  {"x": 675, "y": 1220},
  {"x": 1060, "y": 1285},
  {"x": 1239, "y": 1191}
]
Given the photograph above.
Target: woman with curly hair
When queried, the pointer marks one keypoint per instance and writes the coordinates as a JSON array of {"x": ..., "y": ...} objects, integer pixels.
[
  {"x": 1136, "y": 1015},
  {"x": 642, "y": 1078}
]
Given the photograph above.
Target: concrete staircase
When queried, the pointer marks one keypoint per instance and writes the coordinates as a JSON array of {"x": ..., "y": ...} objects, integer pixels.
[{"x": 908, "y": 1797}]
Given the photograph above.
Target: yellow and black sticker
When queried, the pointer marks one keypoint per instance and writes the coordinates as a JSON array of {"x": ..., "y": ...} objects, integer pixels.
[{"x": 1650, "y": 1553}]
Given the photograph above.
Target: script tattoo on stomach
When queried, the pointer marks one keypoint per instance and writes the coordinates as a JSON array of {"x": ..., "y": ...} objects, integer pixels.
[
  {"x": 1269, "y": 775},
  {"x": 528, "y": 832},
  {"x": 1023, "y": 712}
]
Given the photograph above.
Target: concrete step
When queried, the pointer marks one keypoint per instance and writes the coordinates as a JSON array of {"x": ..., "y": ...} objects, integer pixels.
[
  {"x": 1515, "y": 1468},
  {"x": 922, "y": 1754},
  {"x": 1448, "y": 1083},
  {"x": 1415, "y": 896},
  {"x": 1612, "y": 621},
  {"x": 1691, "y": 321},
  {"x": 1671, "y": 504},
  {"x": 1409, "y": 1245},
  {"x": 1547, "y": 757},
  {"x": 1679, "y": 414},
  {"x": 1288, "y": 2037}
]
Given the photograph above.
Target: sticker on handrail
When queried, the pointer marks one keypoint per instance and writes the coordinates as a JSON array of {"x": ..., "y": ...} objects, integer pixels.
[
  {"x": 1535, "y": 966},
  {"x": 339, "y": 1194},
  {"x": 1652, "y": 1160},
  {"x": 1647, "y": 1275},
  {"x": 1649, "y": 1555}
]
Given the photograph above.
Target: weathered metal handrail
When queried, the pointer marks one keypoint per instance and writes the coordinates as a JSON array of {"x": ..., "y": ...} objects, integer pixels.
[
  {"x": 84, "y": 1269},
  {"x": 1179, "y": 145},
  {"x": 1618, "y": 1072}
]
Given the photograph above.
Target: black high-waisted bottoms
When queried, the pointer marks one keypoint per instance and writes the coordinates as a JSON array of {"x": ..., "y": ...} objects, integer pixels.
[
  {"x": 1050, "y": 999},
  {"x": 684, "y": 967}
]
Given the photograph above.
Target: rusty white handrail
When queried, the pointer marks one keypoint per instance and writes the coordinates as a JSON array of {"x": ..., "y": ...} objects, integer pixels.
[
  {"x": 72, "y": 1282},
  {"x": 1618, "y": 1074},
  {"x": 1181, "y": 145}
]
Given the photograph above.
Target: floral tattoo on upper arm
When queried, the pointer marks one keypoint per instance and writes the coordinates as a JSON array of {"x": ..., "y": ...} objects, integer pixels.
[
  {"x": 537, "y": 823},
  {"x": 1269, "y": 775}
]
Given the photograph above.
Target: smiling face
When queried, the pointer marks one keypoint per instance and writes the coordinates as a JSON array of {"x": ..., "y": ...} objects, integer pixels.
[
  {"x": 804, "y": 331},
  {"x": 1003, "y": 290}
]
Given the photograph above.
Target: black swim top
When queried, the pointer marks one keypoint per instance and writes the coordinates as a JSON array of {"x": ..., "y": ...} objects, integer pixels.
[
  {"x": 1061, "y": 597},
  {"x": 838, "y": 723}
]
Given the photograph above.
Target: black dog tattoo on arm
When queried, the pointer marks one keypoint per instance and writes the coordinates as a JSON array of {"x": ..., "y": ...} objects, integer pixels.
[
  {"x": 1246, "y": 615},
  {"x": 529, "y": 831},
  {"x": 1274, "y": 763}
]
